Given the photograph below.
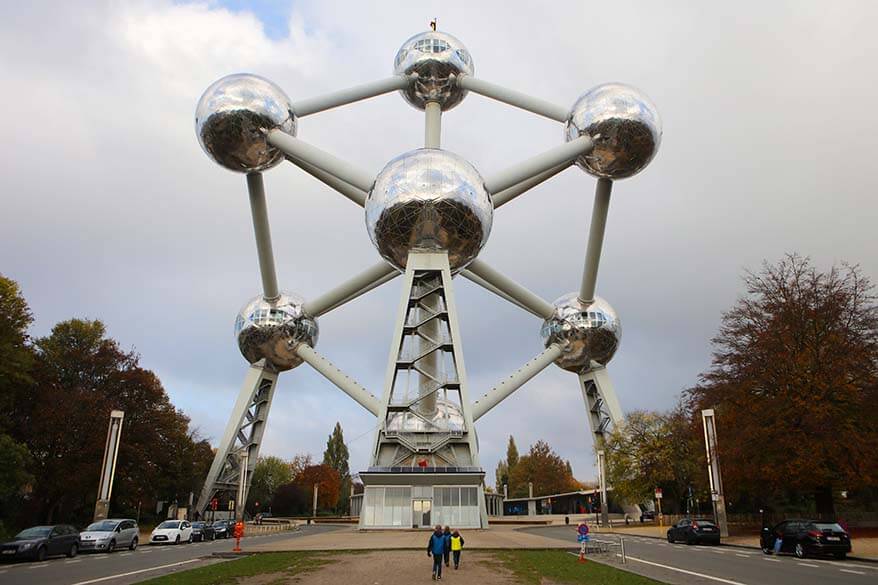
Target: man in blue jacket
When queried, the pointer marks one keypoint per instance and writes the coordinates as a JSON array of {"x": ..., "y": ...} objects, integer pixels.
[{"x": 435, "y": 549}]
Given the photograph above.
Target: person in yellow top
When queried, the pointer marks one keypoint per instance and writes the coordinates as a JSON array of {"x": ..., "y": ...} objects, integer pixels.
[{"x": 456, "y": 547}]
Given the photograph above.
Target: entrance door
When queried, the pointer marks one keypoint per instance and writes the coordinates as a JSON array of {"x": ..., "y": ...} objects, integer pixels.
[{"x": 421, "y": 513}]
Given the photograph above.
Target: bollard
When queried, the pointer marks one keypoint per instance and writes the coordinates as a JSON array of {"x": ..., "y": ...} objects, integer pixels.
[{"x": 239, "y": 532}]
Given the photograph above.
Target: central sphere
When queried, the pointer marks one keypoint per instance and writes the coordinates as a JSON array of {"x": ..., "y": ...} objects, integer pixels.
[
  {"x": 274, "y": 329},
  {"x": 429, "y": 199},
  {"x": 587, "y": 332},
  {"x": 434, "y": 60}
]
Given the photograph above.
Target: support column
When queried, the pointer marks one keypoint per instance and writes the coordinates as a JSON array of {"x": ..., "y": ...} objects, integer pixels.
[{"x": 243, "y": 433}]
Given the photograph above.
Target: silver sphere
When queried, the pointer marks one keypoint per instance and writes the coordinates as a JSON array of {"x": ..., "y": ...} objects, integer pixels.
[
  {"x": 625, "y": 126},
  {"x": 437, "y": 59},
  {"x": 429, "y": 199},
  {"x": 586, "y": 332},
  {"x": 234, "y": 116},
  {"x": 274, "y": 329}
]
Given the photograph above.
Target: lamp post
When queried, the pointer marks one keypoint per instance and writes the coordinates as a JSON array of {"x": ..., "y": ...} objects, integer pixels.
[
  {"x": 708, "y": 417},
  {"x": 108, "y": 467}
]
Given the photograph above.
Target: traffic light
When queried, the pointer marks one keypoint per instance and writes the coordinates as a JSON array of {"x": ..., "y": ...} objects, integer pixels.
[{"x": 214, "y": 504}]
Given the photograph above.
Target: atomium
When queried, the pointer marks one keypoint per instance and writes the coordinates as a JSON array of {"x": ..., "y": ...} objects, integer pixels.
[
  {"x": 433, "y": 60},
  {"x": 273, "y": 329},
  {"x": 234, "y": 115},
  {"x": 586, "y": 332},
  {"x": 624, "y": 125},
  {"x": 429, "y": 199}
]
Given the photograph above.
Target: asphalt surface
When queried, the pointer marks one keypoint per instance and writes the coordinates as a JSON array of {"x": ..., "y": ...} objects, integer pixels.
[
  {"x": 709, "y": 565},
  {"x": 122, "y": 567}
]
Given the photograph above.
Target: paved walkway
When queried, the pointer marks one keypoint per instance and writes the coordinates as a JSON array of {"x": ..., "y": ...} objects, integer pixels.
[{"x": 349, "y": 538}]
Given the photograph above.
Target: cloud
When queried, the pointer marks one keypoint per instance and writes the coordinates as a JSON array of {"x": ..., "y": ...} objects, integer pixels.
[{"x": 110, "y": 210}]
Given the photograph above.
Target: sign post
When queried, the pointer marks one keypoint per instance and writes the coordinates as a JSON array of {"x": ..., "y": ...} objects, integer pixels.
[{"x": 658, "y": 499}]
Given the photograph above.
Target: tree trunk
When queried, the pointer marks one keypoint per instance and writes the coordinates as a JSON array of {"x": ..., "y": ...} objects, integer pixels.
[{"x": 825, "y": 504}]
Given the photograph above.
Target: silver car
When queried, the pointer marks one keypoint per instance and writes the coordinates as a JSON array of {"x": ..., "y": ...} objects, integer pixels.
[{"x": 109, "y": 535}]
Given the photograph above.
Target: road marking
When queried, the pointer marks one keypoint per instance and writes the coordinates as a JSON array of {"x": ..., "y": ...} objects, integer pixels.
[
  {"x": 670, "y": 568},
  {"x": 719, "y": 552},
  {"x": 40, "y": 566},
  {"x": 841, "y": 564},
  {"x": 740, "y": 555},
  {"x": 98, "y": 580},
  {"x": 71, "y": 562},
  {"x": 854, "y": 572},
  {"x": 770, "y": 560},
  {"x": 809, "y": 565},
  {"x": 125, "y": 554}
]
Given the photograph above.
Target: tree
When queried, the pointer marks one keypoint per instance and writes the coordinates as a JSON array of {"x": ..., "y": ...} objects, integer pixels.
[
  {"x": 654, "y": 450},
  {"x": 504, "y": 466},
  {"x": 794, "y": 382},
  {"x": 291, "y": 499},
  {"x": 299, "y": 463},
  {"x": 511, "y": 453},
  {"x": 328, "y": 482},
  {"x": 269, "y": 474},
  {"x": 336, "y": 456},
  {"x": 542, "y": 467},
  {"x": 16, "y": 355}
]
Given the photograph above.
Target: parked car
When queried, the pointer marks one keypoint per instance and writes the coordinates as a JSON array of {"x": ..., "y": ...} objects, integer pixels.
[
  {"x": 647, "y": 515},
  {"x": 203, "y": 531},
  {"x": 807, "y": 538},
  {"x": 39, "y": 542},
  {"x": 222, "y": 528},
  {"x": 175, "y": 531},
  {"x": 108, "y": 535},
  {"x": 692, "y": 531}
]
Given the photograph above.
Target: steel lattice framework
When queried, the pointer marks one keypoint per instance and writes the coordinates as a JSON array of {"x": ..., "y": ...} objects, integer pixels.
[{"x": 429, "y": 213}]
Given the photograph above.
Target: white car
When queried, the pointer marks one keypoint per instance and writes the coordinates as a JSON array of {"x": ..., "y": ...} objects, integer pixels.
[{"x": 175, "y": 531}]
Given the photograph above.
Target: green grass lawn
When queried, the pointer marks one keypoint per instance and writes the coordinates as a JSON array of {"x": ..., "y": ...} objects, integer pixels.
[
  {"x": 285, "y": 564},
  {"x": 560, "y": 566}
]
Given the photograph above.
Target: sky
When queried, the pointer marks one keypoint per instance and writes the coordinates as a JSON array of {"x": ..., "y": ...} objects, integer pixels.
[{"x": 109, "y": 210}]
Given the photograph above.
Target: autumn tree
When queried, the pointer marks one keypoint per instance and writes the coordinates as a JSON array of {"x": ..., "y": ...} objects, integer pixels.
[
  {"x": 654, "y": 450},
  {"x": 269, "y": 474},
  {"x": 336, "y": 456},
  {"x": 504, "y": 466},
  {"x": 542, "y": 467},
  {"x": 794, "y": 382},
  {"x": 328, "y": 485}
]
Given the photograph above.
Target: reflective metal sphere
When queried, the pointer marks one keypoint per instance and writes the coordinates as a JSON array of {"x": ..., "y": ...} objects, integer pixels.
[
  {"x": 233, "y": 117},
  {"x": 624, "y": 125},
  {"x": 438, "y": 59},
  {"x": 586, "y": 333},
  {"x": 273, "y": 329},
  {"x": 429, "y": 199},
  {"x": 447, "y": 417}
]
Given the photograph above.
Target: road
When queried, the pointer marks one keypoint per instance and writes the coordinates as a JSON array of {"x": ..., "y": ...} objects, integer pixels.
[
  {"x": 123, "y": 567},
  {"x": 709, "y": 565}
]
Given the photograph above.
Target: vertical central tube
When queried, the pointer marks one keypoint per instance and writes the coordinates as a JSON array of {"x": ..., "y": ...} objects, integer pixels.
[
  {"x": 433, "y": 125},
  {"x": 261, "y": 230},
  {"x": 595, "y": 239}
]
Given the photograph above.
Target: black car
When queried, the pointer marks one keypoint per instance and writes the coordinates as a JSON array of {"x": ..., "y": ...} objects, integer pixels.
[
  {"x": 39, "y": 542},
  {"x": 202, "y": 531},
  {"x": 693, "y": 531},
  {"x": 807, "y": 538},
  {"x": 647, "y": 515},
  {"x": 222, "y": 529}
]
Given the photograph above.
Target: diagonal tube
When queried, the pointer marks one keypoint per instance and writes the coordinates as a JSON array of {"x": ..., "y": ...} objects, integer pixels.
[
  {"x": 514, "y": 98},
  {"x": 515, "y": 381},
  {"x": 344, "y": 382},
  {"x": 351, "y": 289},
  {"x": 493, "y": 289},
  {"x": 298, "y": 150},
  {"x": 348, "y": 96},
  {"x": 541, "y": 163},
  {"x": 259, "y": 211},
  {"x": 532, "y": 302},
  {"x": 507, "y": 195},
  {"x": 346, "y": 189},
  {"x": 595, "y": 239}
]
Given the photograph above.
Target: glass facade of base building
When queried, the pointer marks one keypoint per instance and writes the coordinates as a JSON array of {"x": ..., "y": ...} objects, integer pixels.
[{"x": 421, "y": 506}]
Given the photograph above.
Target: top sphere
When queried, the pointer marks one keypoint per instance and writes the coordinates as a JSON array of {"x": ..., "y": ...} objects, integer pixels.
[
  {"x": 587, "y": 332},
  {"x": 429, "y": 199},
  {"x": 624, "y": 125},
  {"x": 437, "y": 59},
  {"x": 234, "y": 116}
]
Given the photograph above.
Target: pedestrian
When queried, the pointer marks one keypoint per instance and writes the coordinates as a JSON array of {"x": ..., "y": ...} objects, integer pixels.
[
  {"x": 447, "y": 536},
  {"x": 456, "y": 547},
  {"x": 435, "y": 549}
]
